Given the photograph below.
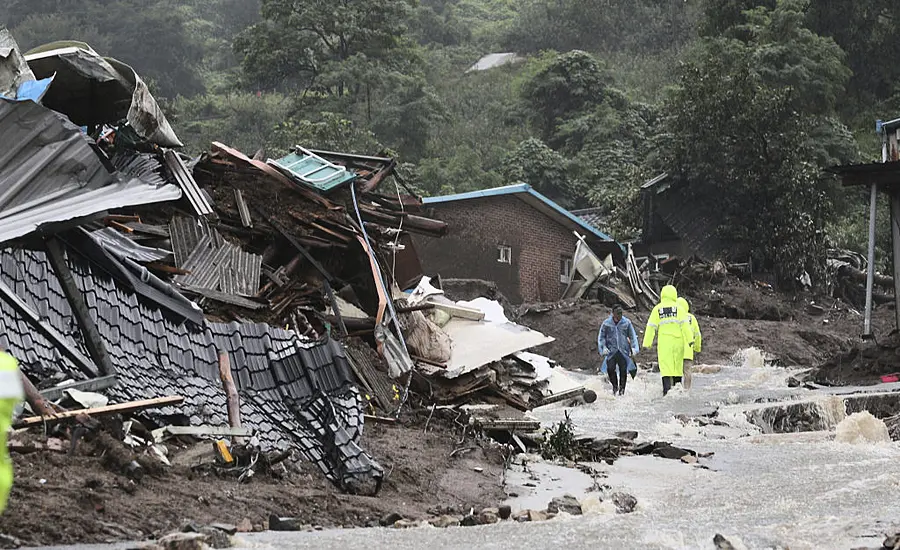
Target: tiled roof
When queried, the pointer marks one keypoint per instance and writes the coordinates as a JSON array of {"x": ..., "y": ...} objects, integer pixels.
[{"x": 294, "y": 393}]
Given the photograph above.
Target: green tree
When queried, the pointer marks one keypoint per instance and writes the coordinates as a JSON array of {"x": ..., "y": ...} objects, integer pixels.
[
  {"x": 536, "y": 164},
  {"x": 567, "y": 84},
  {"x": 321, "y": 44},
  {"x": 738, "y": 141}
]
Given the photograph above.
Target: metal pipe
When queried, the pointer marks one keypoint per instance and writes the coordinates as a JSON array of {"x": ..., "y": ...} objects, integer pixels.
[
  {"x": 870, "y": 269},
  {"x": 895, "y": 241}
]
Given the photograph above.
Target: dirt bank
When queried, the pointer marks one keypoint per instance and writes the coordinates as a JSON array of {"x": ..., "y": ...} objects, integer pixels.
[
  {"x": 799, "y": 330},
  {"x": 61, "y": 499}
]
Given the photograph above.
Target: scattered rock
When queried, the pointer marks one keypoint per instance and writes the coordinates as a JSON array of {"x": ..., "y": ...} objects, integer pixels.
[
  {"x": 688, "y": 459},
  {"x": 216, "y": 538},
  {"x": 285, "y": 524},
  {"x": 226, "y": 528},
  {"x": 245, "y": 526},
  {"x": 489, "y": 516},
  {"x": 665, "y": 450},
  {"x": 505, "y": 511},
  {"x": 567, "y": 504},
  {"x": 469, "y": 521},
  {"x": 442, "y": 522},
  {"x": 539, "y": 515},
  {"x": 522, "y": 516},
  {"x": 183, "y": 541},
  {"x": 706, "y": 455},
  {"x": 627, "y": 435},
  {"x": 406, "y": 523},
  {"x": 625, "y": 503},
  {"x": 892, "y": 542},
  {"x": 722, "y": 543},
  {"x": 8, "y": 541},
  {"x": 390, "y": 519}
]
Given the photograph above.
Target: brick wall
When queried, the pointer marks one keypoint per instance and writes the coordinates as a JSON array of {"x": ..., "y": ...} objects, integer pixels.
[{"x": 479, "y": 226}]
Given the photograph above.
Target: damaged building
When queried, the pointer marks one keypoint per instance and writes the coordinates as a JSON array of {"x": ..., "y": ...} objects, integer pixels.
[
  {"x": 513, "y": 236},
  {"x": 269, "y": 304}
]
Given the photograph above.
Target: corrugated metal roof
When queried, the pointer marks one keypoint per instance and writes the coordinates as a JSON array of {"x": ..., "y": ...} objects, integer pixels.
[
  {"x": 524, "y": 189},
  {"x": 123, "y": 247},
  {"x": 187, "y": 183},
  {"x": 50, "y": 173},
  {"x": 214, "y": 263},
  {"x": 186, "y": 233}
]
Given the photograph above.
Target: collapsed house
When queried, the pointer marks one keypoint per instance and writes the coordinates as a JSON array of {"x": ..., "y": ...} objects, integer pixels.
[{"x": 278, "y": 302}]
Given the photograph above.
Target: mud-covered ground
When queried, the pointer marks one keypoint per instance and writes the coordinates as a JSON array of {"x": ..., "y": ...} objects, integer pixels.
[
  {"x": 798, "y": 330},
  {"x": 62, "y": 499}
]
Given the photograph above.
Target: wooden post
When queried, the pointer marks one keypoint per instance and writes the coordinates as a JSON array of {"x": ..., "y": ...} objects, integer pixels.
[
  {"x": 231, "y": 394},
  {"x": 37, "y": 401}
]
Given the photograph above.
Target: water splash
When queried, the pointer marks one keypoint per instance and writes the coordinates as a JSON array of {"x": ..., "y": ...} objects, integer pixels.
[{"x": 860, "y": 428}]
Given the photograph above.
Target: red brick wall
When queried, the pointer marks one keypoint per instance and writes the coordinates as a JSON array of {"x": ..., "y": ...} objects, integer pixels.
[{"x": 478, "y": 226}]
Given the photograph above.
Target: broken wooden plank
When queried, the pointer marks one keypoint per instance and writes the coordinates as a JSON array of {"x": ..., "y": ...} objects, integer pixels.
[
  {"x": 462, "y": 312},
  {"x": 574, "y": 393},
  {"x": 242, "y": 209},
  {"x": 120, "y": 226},
  {"x": 508, "y": 424},
  {"x": 53, "y": 444},
  {"x": 94, "y": 384},
  {"x": 201, "y": 431},
  {"x": 100, "y": 411},
  {"x": 379, "y": 419}
]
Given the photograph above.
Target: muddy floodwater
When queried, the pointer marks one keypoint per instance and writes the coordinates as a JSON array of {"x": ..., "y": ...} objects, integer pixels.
[{"x": 761, "y": 490}]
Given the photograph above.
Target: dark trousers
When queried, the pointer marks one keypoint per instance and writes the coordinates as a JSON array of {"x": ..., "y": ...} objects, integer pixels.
[
  {"x": 668, "y": 382},
  {"x": 617, "y": 370}
]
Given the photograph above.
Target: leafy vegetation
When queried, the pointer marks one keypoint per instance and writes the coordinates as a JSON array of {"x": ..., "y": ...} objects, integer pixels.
[{"x": 746, "y": 100}]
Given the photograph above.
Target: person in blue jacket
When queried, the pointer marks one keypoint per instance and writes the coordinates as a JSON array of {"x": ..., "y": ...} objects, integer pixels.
[{"x": 617, "y": 343}]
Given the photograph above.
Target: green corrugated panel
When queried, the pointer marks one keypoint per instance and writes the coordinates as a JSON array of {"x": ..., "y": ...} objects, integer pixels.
[{"x": 314, "y": 171}]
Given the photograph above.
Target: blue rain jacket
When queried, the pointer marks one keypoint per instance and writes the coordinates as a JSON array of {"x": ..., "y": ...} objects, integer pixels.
[{"x": 614, "y": 337}]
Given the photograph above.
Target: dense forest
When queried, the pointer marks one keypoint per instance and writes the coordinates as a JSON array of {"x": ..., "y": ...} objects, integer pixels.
[{"x": 747, "y": 99}]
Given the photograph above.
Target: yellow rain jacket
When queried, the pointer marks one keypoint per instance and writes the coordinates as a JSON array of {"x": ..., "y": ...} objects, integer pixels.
[
  {"x": 675, "y": 334},
  {"x": 695, "y": 329},
  {"x": 10, "y": 396}
]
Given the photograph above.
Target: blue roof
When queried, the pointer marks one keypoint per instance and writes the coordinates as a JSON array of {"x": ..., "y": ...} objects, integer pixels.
[{"x": 520, "y": 188}]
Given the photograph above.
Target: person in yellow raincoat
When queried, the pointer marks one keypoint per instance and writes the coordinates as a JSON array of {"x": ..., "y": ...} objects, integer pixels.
[
  {"x": 675, "y": 336},
  {"x": 698, "y": 342},
  {"x": 10, "y": 396}
]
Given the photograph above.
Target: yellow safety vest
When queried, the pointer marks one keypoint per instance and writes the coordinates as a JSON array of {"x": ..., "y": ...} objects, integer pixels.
[{"x": 10, "y": 396}]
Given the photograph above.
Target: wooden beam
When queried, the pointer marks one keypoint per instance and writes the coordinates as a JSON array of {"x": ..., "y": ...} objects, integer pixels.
[
  {"x": 199, "y": 431},
  {"x": 92, "y": 339},
  {"x": 232, "y": 398},
  {"x": 101, "y": 411},
  {"x": 58, "y": 340},
  {"x": 37, "y": 401}
]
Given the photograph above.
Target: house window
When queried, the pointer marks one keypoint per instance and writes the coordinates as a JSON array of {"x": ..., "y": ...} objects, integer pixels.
[
  {"x": 504, "y": 254},
  {"x": 565, "y": 269}
]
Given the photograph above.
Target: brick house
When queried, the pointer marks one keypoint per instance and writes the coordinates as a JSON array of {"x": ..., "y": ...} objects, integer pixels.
[{"x": 513, "y": 236}]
